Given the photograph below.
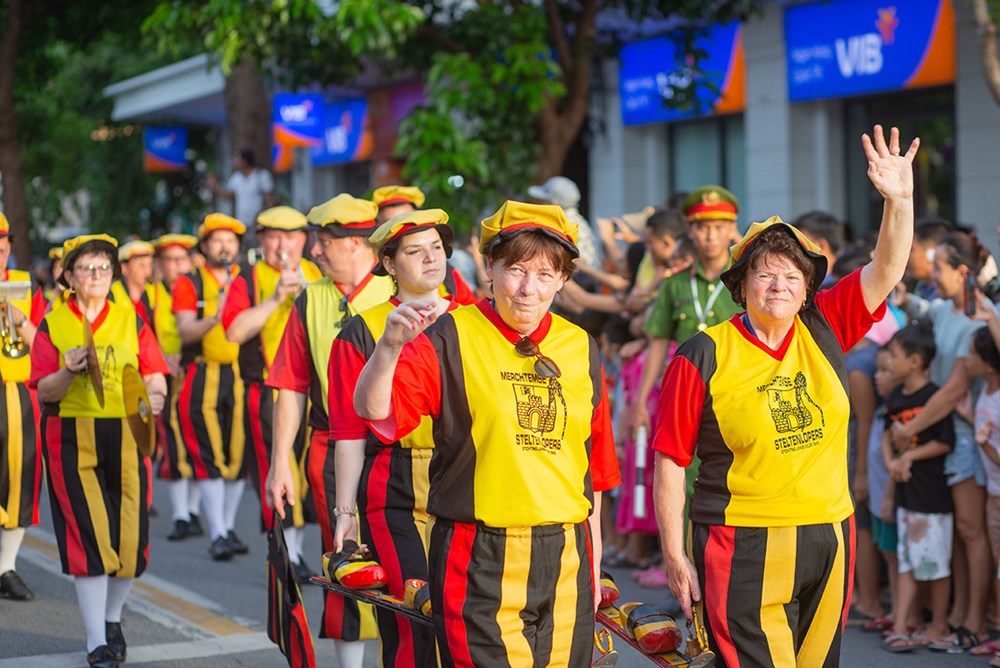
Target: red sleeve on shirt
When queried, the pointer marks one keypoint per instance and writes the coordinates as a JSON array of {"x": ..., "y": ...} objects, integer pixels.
[
  {"x": 463, "y": 293},
  {"x": 291, "y": 368},
  {"x": 346, "y": 363},
  {"x": 416, "y": 391},
  {"x": 237, "y": 301},
  {"x": 38, "y": 306},
  {"x": 44, "y": 355},
  {"x": 151, "y": 358},
  {"x": 681, "y": 401},
  {"x": 604, "y": 471},
  {"x": 843, "y": 306},
  {"x": 184, "y": 297}
]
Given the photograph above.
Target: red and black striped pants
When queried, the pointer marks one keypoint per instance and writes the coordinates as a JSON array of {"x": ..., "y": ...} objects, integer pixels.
[
  {"x": 100, "y": 495},
  {"x": 20, "y": 460},
  {"x": 512, "y": 597},
  {"x": 207, "y": 421},
  {"x": 776, "y": 596}
]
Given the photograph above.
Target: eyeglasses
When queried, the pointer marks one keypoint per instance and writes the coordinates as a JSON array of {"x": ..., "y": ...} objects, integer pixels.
[
  {"x": 544, "y": 366},
  {"x": 345, "y": 310},
  {"x": 94, "y": 270}
]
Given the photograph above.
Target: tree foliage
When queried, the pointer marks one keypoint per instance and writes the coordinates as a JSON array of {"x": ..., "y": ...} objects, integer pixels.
[{"x": 986, "y": 14}]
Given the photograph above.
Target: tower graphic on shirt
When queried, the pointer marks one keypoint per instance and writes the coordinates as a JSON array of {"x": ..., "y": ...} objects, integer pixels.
[
  {"x": 541, "y": 411},
  {"x": 789, "y": 402}
]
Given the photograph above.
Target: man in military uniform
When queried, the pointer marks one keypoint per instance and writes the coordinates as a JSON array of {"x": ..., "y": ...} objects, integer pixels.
[{"x": 692, "y": 300}]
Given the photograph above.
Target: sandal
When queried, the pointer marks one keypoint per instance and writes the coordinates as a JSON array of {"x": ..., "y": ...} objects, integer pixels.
[
  {"x": 877, "y": 625},
  {"x": 898, "y": 643},
  {"x": 987, "y": 648},
  {"x": 995, "y": 663},
  {"x": 965, "y": 638},
  {"x": 946, "y": 646}
]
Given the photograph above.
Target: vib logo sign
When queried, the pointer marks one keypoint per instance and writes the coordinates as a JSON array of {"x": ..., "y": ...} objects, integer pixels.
[{"x": 853, "y": 47}]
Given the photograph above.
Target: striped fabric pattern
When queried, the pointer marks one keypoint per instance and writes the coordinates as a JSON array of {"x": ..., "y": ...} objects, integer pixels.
[
  {"x": 100, "y": 495},
  {"x": 786, "y": 602},
  {"x": 20, "y": 461},
  {"x": 287, "y": 626},
  {"x": 210, "y": 420},
  {"x": 512, "y": 597}
]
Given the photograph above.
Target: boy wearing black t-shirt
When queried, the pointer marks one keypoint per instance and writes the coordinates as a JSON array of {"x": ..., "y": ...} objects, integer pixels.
[{"x": 923, "y": 498}]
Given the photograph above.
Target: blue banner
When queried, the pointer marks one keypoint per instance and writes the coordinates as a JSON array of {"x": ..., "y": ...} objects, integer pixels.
[
  {"x": 298, "y": 119},
  {"x": 649, "y": 67},
  {"x": 855, "y": 47},
  {"x": 347, "y": 136},
  {"x": 163, "y": 149}
]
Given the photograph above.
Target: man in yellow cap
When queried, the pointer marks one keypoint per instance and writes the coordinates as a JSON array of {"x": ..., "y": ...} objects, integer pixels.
[
  {"x": 133, "y": 286},
  {"x": 394, "y": 200},
  {"x": 343, "y": 252},
  {"x": 172, "y": 259},
  {"x": 20, "y": 461},
  {"x": 210, "y": 403},
  {"x": 257, "y": 310}
]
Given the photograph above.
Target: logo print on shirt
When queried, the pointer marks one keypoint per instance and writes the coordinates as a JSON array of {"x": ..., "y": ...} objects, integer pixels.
[
  {"x": 541, "y": 411},
  {"x": 793, "y": 411}
]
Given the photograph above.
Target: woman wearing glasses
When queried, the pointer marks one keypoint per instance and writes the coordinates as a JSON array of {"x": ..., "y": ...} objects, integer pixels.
[
  {"x": 413, "y": 248},
  {"x": 98, "y": 482},
  {"x": 763, "y": 399},
  {"x": 523, "y": 449}
]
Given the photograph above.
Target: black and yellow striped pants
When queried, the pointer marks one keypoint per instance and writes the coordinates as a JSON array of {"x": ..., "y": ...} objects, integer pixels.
[{"x": 20, "y": 459}]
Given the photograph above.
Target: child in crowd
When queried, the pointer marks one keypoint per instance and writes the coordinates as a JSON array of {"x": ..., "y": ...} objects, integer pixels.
[
  {"x": 923, "y": 499},
  {"x": 983, "y": 361}
]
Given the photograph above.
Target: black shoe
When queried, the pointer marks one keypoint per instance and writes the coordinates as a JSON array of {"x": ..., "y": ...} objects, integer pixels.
[
  {"x": 181, "y": 530},
  {"x": 235, "y": 544},
  {"x": 102, "y": 657},
  {"x": 13, "y": 587},
  {"x": 194, "y": 526},
  {"x": 116, "y": 641},
  {"x": 220, "y": 549},
  {"x": 302, "y": 571}
]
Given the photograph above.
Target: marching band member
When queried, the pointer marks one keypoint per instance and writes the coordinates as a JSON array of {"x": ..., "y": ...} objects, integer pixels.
[
  {"x": 20, "y": 463},
  {"x": 255, "y": 316},
  {"x": 413, "y": 249},
  {"x": 172, "y": 259},
  {"x": 394, "y": 200},
  {"x": 98, "y": 481},
  {"x": 133, "y": 286},
  {"x": 300, "y": 366},
  {"x": 209, "y": 411},
  {"x": 522, "y": 449}
]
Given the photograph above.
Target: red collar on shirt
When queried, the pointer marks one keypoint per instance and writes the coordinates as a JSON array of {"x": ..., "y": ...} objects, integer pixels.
[
  {"x": 510, "y": 334},
  {"x": 98, "y": 321},
  {"x": 357, "y": 288},
  {"x": 778, "y": 354}
]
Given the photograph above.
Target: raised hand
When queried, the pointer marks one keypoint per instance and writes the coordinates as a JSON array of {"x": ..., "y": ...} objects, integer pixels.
[
  {"x": 408, "y": 320},
  {"x": 890, "y": 172}
]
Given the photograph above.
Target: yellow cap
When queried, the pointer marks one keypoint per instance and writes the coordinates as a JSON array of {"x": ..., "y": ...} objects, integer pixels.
[
  {"x": 4, "y": 225},
  {"x": 389, "y": 195},
  {"x": 738, "y": 251},
  {"x": 220, "y": 221},
  {"x": 185, "y": 241},
  {"x": 56, "y": 253},
  {"x": 345, "y": 216},
  {"x": 512, "y": 218},
  {"x": 399, "y": 226},
  {"x": 135, "y": 249},
  {"x": 71, "y": 248},
  {"x": 281, "y": 218}
]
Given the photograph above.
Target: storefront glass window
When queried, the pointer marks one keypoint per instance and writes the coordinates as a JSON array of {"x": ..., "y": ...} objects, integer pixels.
[{"x": 707, "y": 151}]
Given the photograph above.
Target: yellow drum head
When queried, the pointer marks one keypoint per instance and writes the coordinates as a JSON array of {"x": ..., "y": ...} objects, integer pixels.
[{"x": 138, "y": 411}]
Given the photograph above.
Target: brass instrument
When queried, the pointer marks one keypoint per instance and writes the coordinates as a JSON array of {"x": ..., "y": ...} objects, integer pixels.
[
  {"x": 287, "y": 266},
  {"x": 13, "y": 346}
]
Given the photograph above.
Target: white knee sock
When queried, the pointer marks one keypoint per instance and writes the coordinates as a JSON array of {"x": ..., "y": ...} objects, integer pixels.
[
  {"x": 292, "y": 541},
  {"x": 234, "y": 492},
  {"x": 213, "y": 493},
  {"x": 350, "y": 654},
  {"x": 118, "y": 589},
  {"x": 194, "y": 498},
  {"x": 178, "y": 499},
  {"x": 92, "y": 595},
  {"x": 10, "y": 543}
]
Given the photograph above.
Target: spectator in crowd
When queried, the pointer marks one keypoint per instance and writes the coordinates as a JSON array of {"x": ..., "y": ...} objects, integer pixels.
[{"x": 250, "y": 189}]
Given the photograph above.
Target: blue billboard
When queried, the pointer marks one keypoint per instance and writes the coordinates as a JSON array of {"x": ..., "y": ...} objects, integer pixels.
[
  {"x": 856, "y": 47},
  {"x": 163, "y": 149},
  {"x": 347, "y": 136}
]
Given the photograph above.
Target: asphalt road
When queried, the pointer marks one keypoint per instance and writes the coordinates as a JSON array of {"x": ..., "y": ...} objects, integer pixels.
[{"x": 190, "y": 611}]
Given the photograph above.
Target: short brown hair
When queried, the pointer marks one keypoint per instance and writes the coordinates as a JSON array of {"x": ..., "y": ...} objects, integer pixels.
[
  {"x": 774, "y": 241},
  {"x": 527, "y": 245}
]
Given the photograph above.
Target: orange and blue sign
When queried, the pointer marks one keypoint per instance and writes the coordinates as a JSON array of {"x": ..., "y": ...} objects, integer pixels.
[
  {"x": 164, "y": 148},
  {"x": 650, "y": 69},
  {"x": 858, "y": 47},
  {"x": 347, "y": 135},
  {"x": 298, "y": 119}
]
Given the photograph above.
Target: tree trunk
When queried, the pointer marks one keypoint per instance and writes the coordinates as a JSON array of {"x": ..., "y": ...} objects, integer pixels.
[
  {"x": 248, "y": 111},
  {"x": 988, "y": 46},
  {"x": 559, "y": 122},
  {"x": 15, "y": 196}
]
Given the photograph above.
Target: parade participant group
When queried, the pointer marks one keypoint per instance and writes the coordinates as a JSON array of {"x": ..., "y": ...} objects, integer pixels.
[{"x": 473, "y": 430}]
